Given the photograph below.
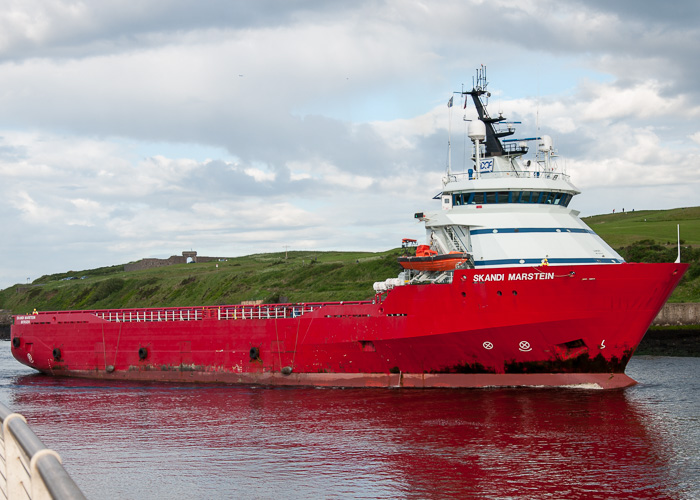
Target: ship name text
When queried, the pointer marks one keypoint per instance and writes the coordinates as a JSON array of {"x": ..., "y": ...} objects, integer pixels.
[
  {"x": 479, "y": 278},
  {"x": 25, "y": 320}
]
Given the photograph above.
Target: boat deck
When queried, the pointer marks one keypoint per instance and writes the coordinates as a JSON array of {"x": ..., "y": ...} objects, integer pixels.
[{"x": 227, "y": 312}]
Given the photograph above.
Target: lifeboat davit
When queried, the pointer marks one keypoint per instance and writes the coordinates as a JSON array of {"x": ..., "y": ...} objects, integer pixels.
[{"x": 429, "y": 260}]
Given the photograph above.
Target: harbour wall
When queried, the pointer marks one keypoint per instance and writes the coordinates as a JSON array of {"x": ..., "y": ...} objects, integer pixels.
[{"x": 677, "y": 314}]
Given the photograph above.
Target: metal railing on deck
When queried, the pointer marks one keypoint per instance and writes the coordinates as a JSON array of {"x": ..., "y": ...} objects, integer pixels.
[
  {"x": 523, "y": 174},
  {"x": 232, "y": 312},
  {"x": 28, "y": 468}
]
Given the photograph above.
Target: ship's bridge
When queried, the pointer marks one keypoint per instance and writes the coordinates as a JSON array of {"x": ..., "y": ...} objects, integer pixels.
[
  {"x": 514, "y": 217},
  {"x": 526, "y": 188},
  {"x": 508, "y": 180}
]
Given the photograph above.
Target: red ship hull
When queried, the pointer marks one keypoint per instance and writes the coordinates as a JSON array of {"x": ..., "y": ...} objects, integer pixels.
[{"x": 563, "y": 325}]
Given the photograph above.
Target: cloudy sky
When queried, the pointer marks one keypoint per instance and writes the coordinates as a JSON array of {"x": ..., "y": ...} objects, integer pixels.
[{"x": 142, "y": 129}]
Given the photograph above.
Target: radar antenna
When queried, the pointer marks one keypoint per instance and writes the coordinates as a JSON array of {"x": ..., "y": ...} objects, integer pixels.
[{"x": 480, "y": 97}]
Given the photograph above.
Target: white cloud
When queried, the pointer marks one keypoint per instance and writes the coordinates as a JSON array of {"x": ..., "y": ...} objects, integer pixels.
[
  {"x": 403, "y": 134},
  {"x": 324, "y": 123},
  {"x": 260, "y": 175},
  {"x": 645, "y": 100}
]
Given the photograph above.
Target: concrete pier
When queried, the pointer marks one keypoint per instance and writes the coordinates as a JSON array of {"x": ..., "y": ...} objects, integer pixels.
[{"x": 678, "y": 314}]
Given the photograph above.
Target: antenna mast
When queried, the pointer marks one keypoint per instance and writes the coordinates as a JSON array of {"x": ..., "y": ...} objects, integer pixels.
[{"x": 449, "y": 136}]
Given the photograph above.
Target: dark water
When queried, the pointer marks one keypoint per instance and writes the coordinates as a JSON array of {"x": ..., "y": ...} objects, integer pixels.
[{"x": 129, "y": 440}]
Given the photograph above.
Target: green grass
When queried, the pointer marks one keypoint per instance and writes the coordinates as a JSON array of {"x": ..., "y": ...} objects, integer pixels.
[
  {"x": 646, "y": 236},
  {"x": 621, "y": 229},
  {"x": 301, "y": 277}
]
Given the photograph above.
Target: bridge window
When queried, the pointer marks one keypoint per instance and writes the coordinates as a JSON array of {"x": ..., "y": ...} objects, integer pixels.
[{"x": 540, "y": 197}]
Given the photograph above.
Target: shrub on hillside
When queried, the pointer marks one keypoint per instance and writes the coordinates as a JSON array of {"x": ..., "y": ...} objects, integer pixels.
[
  {"x": 648, "y": 251},
  {"x": 106, "y": 288}
]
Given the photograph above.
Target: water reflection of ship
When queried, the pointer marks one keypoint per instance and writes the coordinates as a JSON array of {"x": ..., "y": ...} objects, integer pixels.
[{"x": 485, "y": 443}]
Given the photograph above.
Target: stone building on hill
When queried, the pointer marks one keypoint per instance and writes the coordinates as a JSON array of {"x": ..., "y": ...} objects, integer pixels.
[{"x": 187, "y": 256}]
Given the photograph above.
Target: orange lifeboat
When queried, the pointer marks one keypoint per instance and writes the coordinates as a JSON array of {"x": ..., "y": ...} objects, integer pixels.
[{"x": 429, "y": 260}]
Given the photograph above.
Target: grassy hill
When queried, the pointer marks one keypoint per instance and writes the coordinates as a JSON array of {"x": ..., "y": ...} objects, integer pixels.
[
  {"x": 646, "y": 236},
  {"x": 301, "y": 277},
  {"x": 622, "y": 229}
]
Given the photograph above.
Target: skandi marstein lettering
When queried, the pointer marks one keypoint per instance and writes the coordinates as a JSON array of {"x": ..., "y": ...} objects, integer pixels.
[{"x": 478, "y": 278}]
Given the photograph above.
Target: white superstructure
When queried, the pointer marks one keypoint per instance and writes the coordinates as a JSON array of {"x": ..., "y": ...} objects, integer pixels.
[{"x": 510, "y": 211}]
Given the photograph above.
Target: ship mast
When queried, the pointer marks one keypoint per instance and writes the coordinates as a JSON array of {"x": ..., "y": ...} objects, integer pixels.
[
  {"x": 493, "y": 143},
  {"x": 449, "y": 136}
]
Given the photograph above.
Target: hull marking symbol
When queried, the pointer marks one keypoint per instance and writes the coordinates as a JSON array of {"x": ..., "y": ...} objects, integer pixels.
[
  {"x": 524, "y": 346},
  {"x": 29, "y": 357},
  {"x": 488, "y": 345},
  {"x": 602, "y": 344}
]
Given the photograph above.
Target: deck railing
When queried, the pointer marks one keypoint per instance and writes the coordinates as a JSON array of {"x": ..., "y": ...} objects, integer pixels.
[
  {"x": 232, "y": 312},
  {"x": 522, "y": 174},
  {"x": 228, "y": 312},
  {"x": 28, "y": 468}
]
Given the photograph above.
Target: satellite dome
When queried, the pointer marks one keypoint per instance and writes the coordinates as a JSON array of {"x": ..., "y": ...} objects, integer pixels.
[{"x": 477, "y": 130}]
